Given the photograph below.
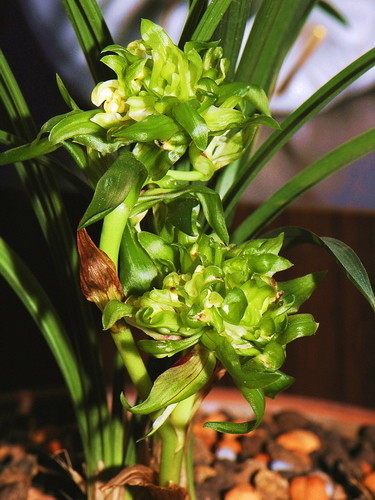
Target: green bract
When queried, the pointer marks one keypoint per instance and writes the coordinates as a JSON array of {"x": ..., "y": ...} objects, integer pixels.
[{"x": 223, "y": 298}]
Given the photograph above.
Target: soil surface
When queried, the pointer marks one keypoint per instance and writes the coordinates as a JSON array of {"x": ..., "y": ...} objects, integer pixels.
[{"x": 290, "y": 457}]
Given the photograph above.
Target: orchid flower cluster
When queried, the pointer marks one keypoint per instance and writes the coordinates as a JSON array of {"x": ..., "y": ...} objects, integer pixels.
[
  {"x": 166, "y": 101},
  {"x": 221, "y": 305},
  {"x": 210, "y": 304}
]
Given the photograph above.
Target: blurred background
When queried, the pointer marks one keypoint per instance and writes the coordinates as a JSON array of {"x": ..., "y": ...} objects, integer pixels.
[{"x": 339, "y": 362}]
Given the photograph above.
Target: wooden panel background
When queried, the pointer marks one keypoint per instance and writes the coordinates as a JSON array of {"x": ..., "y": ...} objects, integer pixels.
[{"x": 339, "y": 361}]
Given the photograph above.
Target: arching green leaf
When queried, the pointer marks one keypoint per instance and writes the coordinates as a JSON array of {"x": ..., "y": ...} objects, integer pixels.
[
  {"x": 178, "y": 383},
  {"x": 342, "y": 253}
]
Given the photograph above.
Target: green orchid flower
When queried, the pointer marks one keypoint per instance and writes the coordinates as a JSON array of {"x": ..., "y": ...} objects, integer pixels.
[
  {"x": 166, "y": 101},
  {"x": 222, "y": 298}
]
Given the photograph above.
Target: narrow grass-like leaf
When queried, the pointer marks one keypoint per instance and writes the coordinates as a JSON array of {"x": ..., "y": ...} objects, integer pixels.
[
  {"x": 41, "y": 186},
  {"x": 330, "y": 9},
  {"x": 67, "y": 173},
  {"x": 69, "y": 101},
  {"x": 91, "y": 31},
  {"x": 230, "y": 32},
  {"x": 309, "y": 177},
  {"x": 249, "y": 168},
  {"x": 210, "y": 19},
  {"x": 14, "y": 102},
  {"x": 196, "y": 11},
  {"x": 276, "y": 26},
  {"x": 352, "y": 266},
  {"x": 38, "y": 304}
]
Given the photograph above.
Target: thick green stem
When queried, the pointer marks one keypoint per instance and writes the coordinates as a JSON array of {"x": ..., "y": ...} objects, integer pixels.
[
  {"x": 132, "y": 360},
  {"x": 172, "y": 454},
  {"x": 173, "y": 436},
  {"x": 189, "y": 466},
  {"x": 113, "y": 227}
]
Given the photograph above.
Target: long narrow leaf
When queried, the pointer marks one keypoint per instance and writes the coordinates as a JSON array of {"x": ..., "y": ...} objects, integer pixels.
[
  {"x": 230, "y": 32},
  {"x": 309, "y": 177},
  {"x": 250, "y": 168},
  {"x": 196, "y": 11},
  {"x": 331, "y": 10},
  {"x": 91, "y": 31},
  {"x": 14, "y": 102},
  {"x": 276, "y": 26},
  {"x": 37, "y": 302},
  {"x": 210, "y": 20}
]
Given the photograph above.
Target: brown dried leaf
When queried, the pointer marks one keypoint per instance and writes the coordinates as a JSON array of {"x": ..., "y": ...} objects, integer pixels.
[
  {"x": 99, "y": 279},
  {"x": 135, "y": 475},
  {"x": 144, "y": 477}
]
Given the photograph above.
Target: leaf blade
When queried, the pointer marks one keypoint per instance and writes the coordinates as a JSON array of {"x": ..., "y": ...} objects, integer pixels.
[
  {"x": 309, "y": 177},
  {"x": 249, "y": 168},
  {"x": 342, "y": 253},
  {"x": 125, "y": 174}
]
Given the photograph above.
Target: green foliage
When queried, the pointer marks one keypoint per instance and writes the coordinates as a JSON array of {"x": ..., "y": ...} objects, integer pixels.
[{"x": 174, "y": 284}]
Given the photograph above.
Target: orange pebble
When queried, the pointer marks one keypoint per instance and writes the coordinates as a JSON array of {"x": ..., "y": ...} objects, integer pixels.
[
  {"x": 365, "y": 466},
  {"x": 242, "y": 492},
  {"x": 308, "y": 488},
  {"x": 369, "y": 481},
  {"x": 39, "y": 436},
  {"x": 300, "y": 441},
  {"x": 229, "y": 441},
  {"x": 263, "y": 458}
]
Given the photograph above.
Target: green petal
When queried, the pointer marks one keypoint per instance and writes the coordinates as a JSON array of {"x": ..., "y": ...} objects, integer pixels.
[
  {"x": 300, "y": 289},
  {"x": 255, "y": 397},
  {"x": 188, "y": 117},
  {"x": 74, "y": 123},
  {"x": 234, "y": 306},
  {"x": 138, "y": 271},
  {"x": 152, "y": 128},
  {"x": 299, "y": 325},
  {"x": 113, "y": 311},
  {"x": 167, "y": 348}
]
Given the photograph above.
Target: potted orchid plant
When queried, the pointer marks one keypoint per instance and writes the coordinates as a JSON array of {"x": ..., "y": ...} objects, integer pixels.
[{"x": 165, "y": 152}]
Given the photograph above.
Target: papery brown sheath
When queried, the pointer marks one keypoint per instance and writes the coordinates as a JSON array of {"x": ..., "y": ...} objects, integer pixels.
[{"x": 98, "y": 276}]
